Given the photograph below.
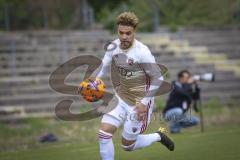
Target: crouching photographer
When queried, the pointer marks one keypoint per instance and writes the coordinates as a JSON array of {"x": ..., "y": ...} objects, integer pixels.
[{"x": 185, "y": 93}]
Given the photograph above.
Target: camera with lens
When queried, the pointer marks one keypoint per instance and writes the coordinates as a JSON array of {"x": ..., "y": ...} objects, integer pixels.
[{"x": 205, "y": 77}]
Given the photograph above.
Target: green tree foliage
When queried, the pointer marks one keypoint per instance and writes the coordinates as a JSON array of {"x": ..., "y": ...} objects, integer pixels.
[
  {"x": 34, "y": 14},
  {"x": 58, "y": 14},
  {"x": 142, "y": 8},
  {"x": 198, "y": 12},
  {"x": 174, "y": 13}
]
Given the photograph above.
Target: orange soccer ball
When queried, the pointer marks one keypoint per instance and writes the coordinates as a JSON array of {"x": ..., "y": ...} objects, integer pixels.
[{"x": 92, "y": 90}]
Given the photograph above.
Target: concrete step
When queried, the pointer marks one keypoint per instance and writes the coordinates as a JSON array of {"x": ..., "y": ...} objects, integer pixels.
[
  {"x": 57, "y": 48},
  {"x": 27, "y": 71},
  {"x": 211, "y": 33},
  {"x": 30, "y": 99},
  {"x": 45, "y": 89},
  {"x": 28, "y": 80},
  {"x": 9, "y": 112},
  {"x": 37, "y": 89},
  {"x": 222, "y": 96}
]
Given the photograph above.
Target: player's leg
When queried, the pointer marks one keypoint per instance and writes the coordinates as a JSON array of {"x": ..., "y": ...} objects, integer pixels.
[
  {"x": 105, "y": 141},
  {"x": 132, "y": 137},
  {"x": 110, "y": 122}
]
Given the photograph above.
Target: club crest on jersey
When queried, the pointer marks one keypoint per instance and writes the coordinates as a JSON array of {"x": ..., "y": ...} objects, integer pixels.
[
  {"x": 134, "y": 129},
  {"x": 130, "y": 61}
]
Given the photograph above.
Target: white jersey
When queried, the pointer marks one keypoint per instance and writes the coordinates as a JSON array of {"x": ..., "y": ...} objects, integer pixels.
[{"x": 130, "y": 79}]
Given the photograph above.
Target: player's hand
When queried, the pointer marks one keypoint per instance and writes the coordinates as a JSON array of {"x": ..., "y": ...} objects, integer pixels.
[
  {"x": 141, "y": 110},
  {"x": 91, "y": 79}
]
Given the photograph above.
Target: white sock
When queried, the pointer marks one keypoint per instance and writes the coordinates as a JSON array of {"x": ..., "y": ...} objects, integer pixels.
[
  {"x": 146, "y": 140},
  {"x": 106, "y": 145}
]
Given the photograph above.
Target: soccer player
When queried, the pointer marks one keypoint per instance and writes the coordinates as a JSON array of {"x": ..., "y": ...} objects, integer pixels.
[{"x": 136, "y": 73}]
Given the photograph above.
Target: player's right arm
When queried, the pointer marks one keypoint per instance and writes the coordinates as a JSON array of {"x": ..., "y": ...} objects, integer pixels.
[{"x": 106, "y": 62}]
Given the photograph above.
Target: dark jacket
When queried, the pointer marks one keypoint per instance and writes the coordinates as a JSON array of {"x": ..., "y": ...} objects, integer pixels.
[{"x": 179, "y": 94}]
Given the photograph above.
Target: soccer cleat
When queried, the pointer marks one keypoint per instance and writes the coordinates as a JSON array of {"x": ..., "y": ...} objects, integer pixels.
[{"x": 165, "y": 140}]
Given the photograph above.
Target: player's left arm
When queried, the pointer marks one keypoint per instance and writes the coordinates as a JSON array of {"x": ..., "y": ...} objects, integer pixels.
[{"x": 153, "y": 73}]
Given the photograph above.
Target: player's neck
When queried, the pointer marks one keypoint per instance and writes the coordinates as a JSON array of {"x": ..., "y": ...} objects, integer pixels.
[{"x": 127, "y": 49}]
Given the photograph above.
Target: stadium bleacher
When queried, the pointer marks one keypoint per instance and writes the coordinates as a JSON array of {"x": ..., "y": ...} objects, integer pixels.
[{"x": 28, "y": 58}]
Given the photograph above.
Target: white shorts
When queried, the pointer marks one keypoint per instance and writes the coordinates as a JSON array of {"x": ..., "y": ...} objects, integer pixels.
[{"x": 125, "y": 114}]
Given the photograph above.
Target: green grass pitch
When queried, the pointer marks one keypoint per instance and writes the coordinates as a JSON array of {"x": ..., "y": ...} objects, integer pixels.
[{"x": 216, "y": 143}]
